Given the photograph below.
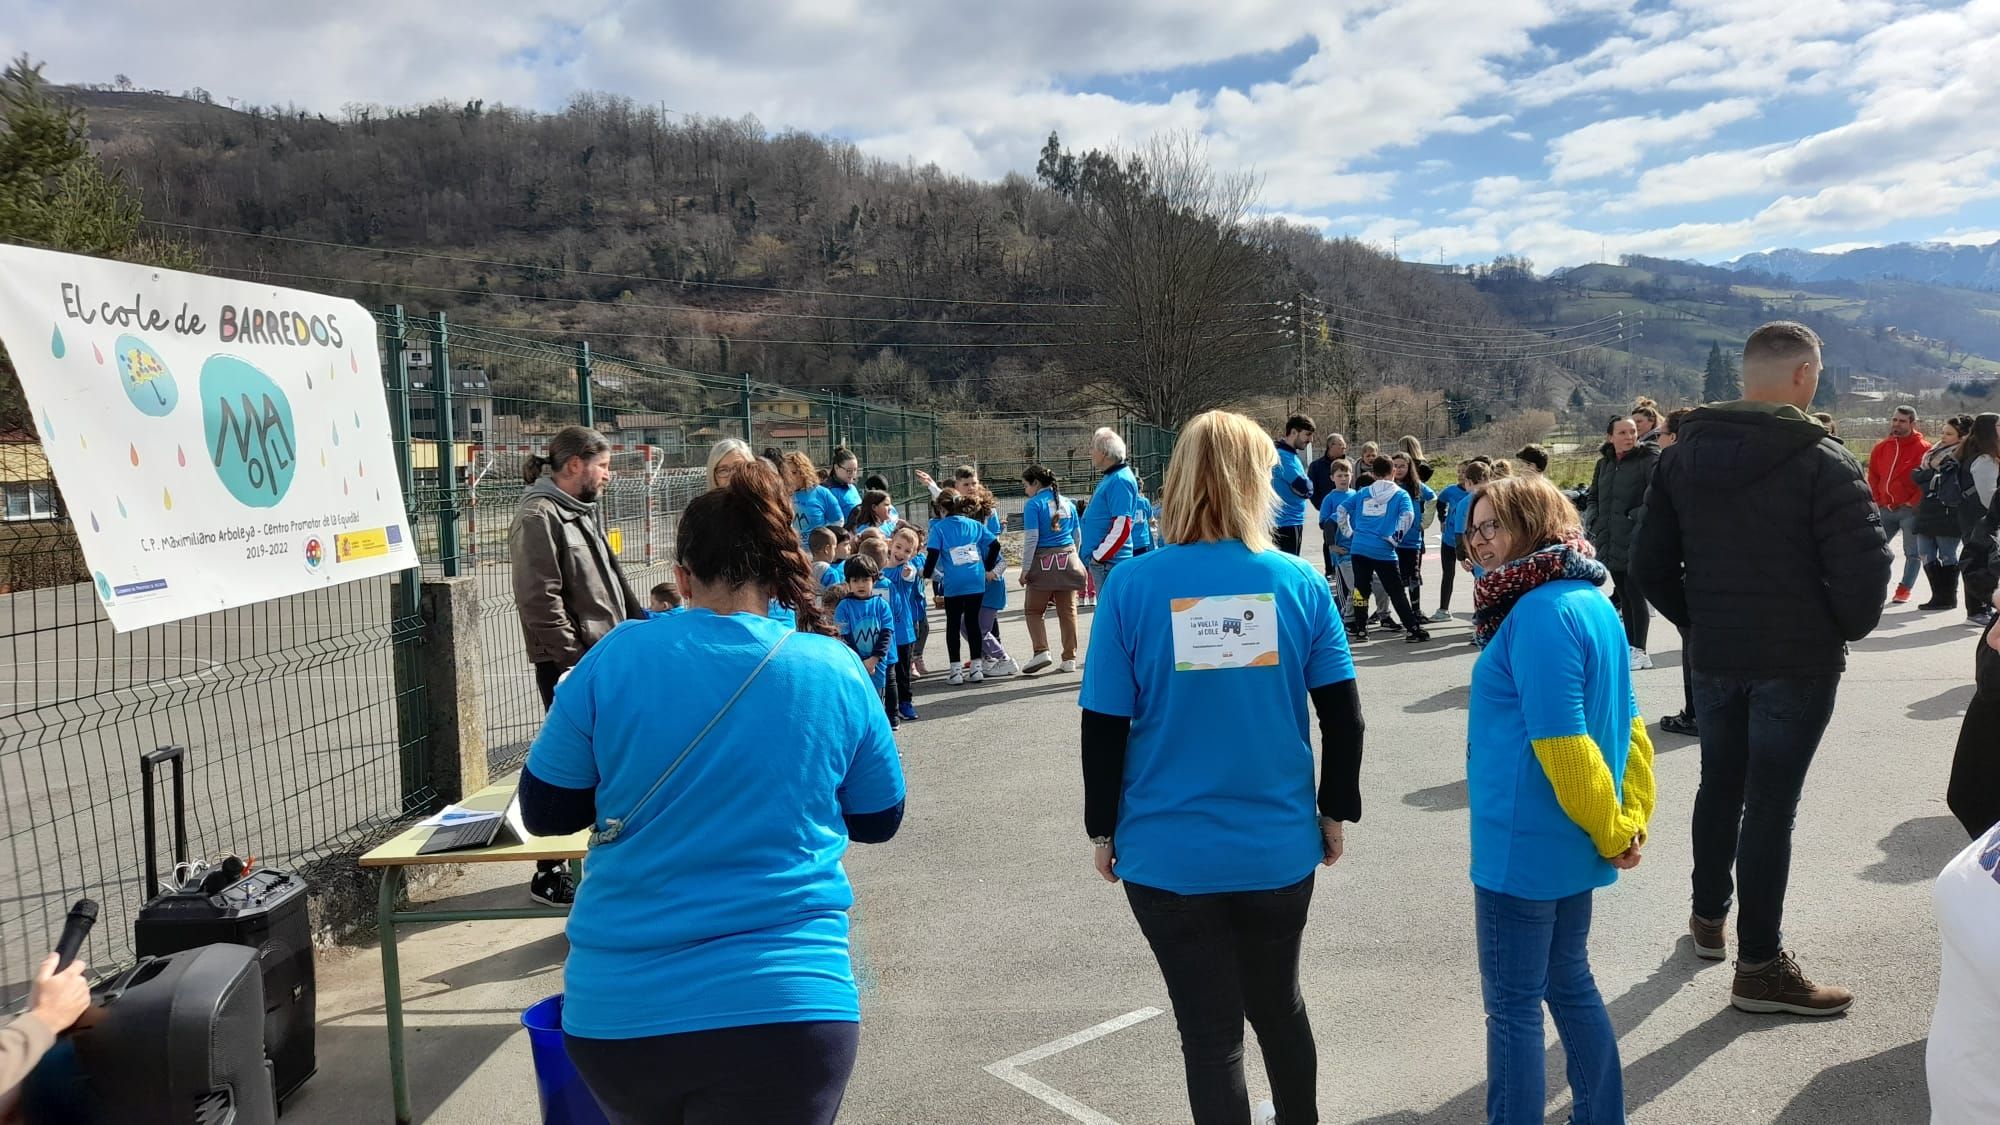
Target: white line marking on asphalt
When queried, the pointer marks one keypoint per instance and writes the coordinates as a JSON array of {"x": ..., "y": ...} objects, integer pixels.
[{"x": 1007, "y": 1070}]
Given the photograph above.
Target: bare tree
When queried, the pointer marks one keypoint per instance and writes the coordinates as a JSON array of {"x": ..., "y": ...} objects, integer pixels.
[{"x": 1187, "y": 323}]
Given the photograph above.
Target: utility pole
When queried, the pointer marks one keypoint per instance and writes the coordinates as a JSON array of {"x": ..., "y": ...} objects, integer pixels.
[{"x": 1299, "y": 324}]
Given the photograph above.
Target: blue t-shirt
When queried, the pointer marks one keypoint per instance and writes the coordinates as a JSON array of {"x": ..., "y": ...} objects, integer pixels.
[
  {"x": 724, "y": 904},
  {"x": 1142, "y": 527},
  {"x": 776, "y": 611},
  {"x": 1289, "y": 471},
  {"x": 1329, "y": 517},
  {"x": 1205, "y": 808},
  {"x": 1413, "y": 539},
  {"x": 1558, "y": 666},
  {"x": 863, "y": 621},
  {"x": 814, "y": 507},
  {"x": 1116, "y": 498},
  {"x": 961, "y": 545},
  {"x": 1041, "y": 517},
  {"x": 845, "y": 498},
  {"x": 1375, "y": 516},
  {"x": 1449, "y": 517},
  {"x": 905, "y": 586}
]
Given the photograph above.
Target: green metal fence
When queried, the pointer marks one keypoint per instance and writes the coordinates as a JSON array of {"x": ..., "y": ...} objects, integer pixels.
[{"x": 303, "y": 715}]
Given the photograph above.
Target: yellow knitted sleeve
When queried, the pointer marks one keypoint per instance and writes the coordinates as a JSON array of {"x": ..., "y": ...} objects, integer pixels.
[
  {"x": 1641, "y": 792},
  {"x": 1585, "y": 790}
]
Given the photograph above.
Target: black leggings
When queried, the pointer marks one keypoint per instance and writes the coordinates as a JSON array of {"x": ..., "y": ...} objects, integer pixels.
[
  {"x": 1631, "y": 607},
  {"x": 906, "y": 655},
  {"x": 1226, "y": 957},
  {"x": 1410, "y": 563},
  {"x": 1447, "y": 573},
  {"x": 772, "y": 1073},
  {"x": 1366, "y": 570},
  {"x": 961, "y": 620}
]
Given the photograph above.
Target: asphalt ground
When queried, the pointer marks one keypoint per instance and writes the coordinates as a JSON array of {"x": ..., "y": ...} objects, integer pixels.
[{"x": 983, "y": 935}]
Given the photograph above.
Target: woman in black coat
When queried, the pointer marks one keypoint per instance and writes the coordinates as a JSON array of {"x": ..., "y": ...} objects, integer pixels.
[
  {"x": 1973, "y": 794},
  {"x": 1937, "y": 519},
  {"x": 1617, "y": 498}
]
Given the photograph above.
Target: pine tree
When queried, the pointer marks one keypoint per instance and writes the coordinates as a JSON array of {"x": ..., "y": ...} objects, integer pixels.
[
  {"x": 1578, "y": 403},
  {"x": 1720, "y": 383},
  {"x": 55, "y": 193}
]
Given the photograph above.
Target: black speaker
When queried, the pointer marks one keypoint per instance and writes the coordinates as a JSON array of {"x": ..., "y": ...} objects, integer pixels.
[
  {"x": 175, "y": 1040},
  {"x": 265, "y": 910}
]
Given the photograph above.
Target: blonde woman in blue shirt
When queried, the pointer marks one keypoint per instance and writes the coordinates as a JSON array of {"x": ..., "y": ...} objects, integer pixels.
[
  {"x": 1216, "y": 834},
  {"x": 1560, "y": 776}
]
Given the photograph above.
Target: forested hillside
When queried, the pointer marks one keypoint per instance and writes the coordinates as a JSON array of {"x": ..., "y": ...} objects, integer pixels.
[{"x": 721, "y": 245}]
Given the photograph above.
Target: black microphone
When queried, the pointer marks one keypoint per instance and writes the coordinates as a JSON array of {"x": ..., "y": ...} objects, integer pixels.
[{"x": 82, "y": 917}]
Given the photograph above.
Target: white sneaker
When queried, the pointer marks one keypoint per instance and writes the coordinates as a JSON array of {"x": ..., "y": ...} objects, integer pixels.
[
  {"x": 978, "y": 675},
  {"x": 1004, "y": 666},
  {"x": 1038, "y": 662},
  {"x": 957, "y": 677},
  {"x": 1640, "y": 661},
  {"x": 1266, "y": 1113},
  {"x": 1069, "y": 665}
]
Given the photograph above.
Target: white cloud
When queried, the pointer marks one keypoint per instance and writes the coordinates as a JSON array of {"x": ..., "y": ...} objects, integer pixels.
[{"x": 1617, "y": 145}]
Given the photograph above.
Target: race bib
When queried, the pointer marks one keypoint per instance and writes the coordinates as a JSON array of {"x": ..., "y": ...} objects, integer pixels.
[
  {"x": 1225, "y": 631},
  {"x": 1374, "y": 505},
  {"x": 965, "y": 555}
]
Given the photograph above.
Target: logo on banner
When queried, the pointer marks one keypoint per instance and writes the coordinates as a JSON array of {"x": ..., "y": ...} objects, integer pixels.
[
  {"x": 315, "y": 553},
  {"x": 251, "y": 439}
]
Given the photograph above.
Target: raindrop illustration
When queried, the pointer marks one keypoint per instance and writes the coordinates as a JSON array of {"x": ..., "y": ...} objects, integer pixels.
[
  {"x": 182, "y": 450},
  {"x": 135, "y": 456},
  {"x": 322, "y": 458},
  {"x": 336, "y": 435},
  {"x": 352, "y": 363},
  {"x": 48, "y": 431},
  {"x": 98, "y": 352},
  {"x": 167, "y": 497},
  {"x": 93, "y": 522},
  {"x": 84, "y": 440},
  {"x": 343, "y": 486},
  {"x": 309, "y": 380},
  {"x": 56, "y": 344},
  {"x": 378, "y": 494},
  {"x": 362, "y": 469},
  {"x": 122, "y": 513},
  {"x": 357, "y": 420}
]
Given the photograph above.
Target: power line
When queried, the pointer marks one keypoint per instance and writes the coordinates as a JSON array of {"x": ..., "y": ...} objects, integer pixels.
[
  {"x": 258, "y": 272},
  {"x": 624, "y": 276}
]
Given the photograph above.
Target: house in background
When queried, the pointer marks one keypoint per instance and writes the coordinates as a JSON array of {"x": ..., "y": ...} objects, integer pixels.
[
  {"x": 29, "y": 488},
  {"x": 471, "y": 400}
]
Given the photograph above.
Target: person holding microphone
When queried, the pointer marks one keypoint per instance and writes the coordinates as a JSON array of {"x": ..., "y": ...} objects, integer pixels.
[{"x": 56, "y": 999}]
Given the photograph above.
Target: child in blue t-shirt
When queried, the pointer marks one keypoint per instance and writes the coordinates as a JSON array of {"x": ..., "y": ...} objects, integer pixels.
[
  {"x": 998, "y": 663},
  {"x": 906, "y": 597},
  {"x": 1410, "y": 544},
  {"x": 1376, "y": 517},
  {"x": 1339, "y": 544},
  {"x": 866, "y": 622},
  {"x": 965, "y": 555},
  {"x": 1142, "y": 527},
  {"x": 1450, "y": 504}
]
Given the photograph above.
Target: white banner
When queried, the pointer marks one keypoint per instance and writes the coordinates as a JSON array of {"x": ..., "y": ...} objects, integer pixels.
[{"x": 217, "y": 442}]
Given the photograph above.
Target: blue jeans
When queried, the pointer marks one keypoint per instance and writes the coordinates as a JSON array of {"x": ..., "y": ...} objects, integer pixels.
[
  {"x": 1940, "y": 549},
  {"x": 1904, "y": 520},
  {"x": 1758, "y": 737},
  {"x": 1534, "y": 952}
]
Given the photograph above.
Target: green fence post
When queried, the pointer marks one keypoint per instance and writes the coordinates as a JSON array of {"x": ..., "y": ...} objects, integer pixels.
[
  {"x": 743, "y": 401},
  {"x": 903, "y": 423},
  {"x": 861, "y": 436},
  {"x": 586, "y": 408},
  {"x": 935, "y": 453},
  {"x": 447, "y": 454},
  {"x": 405, "y": 593}
]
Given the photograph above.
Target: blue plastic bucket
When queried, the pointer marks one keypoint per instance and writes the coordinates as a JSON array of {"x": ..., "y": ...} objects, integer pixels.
[{"x": 565, "y": 1099}]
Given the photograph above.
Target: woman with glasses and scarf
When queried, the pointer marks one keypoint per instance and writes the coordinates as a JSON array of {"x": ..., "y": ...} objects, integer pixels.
[{"x": 1560, "y": 777}]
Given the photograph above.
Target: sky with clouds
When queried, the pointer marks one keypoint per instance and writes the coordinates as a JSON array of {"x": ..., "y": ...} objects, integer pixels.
[{"x": 1564, "y": 130}]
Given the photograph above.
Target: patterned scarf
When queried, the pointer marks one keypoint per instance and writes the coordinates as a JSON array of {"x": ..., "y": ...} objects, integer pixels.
[{"x": 1494, "y": 595}]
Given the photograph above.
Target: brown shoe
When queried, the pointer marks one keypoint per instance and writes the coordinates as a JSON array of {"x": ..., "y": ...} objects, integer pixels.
[
  {"x": 1781, "y": 987},
  {"x": 1708, "y": 937}
]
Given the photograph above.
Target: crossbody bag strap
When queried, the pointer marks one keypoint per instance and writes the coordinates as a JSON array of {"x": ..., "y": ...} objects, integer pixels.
[{"x": 614, "y": 827}]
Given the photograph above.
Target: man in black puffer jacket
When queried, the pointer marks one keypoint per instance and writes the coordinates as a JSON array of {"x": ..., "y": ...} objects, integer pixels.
[{"x": 1762, "y": 543}]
